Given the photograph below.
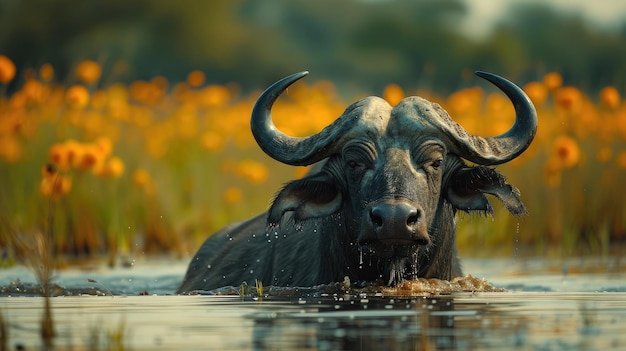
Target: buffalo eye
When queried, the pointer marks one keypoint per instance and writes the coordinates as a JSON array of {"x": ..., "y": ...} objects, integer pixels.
[
  {"x": 353, "y": 164},
  {"x": 436, "y": 164}
]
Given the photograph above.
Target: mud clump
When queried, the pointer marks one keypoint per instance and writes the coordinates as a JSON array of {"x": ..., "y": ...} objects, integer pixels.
[{"x": 423, "y": 286}]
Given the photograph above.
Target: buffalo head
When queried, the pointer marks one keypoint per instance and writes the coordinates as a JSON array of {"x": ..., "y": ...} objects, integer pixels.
[{"x": 396, "y": 174}]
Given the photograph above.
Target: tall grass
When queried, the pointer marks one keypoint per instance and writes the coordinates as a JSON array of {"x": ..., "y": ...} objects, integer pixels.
[{"x": 155, "y": 166}]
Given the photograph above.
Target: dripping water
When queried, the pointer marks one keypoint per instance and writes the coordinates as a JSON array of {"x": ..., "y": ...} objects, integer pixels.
[
  {"x": 360, "y": 257},
  {"x": 396, "y": 271},
  {"x": 270, "y": 229},
  {"x": 516, "y": 243}
]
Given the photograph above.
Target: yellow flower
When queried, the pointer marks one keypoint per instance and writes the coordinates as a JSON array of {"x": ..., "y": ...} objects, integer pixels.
[
  {"x": 142, "y": 179},
  {"x": 139, "y": 90},
  {"x": 113, "y": 168},
  {"x": 301, "y": 171},
  {"x": 565, "y": 152},
  {"x": 149, "y": 93},
  {"x": 33, "y": 91},
  {"x": 232, "y": 195},
  {"x": 196, "y": 78},
  {"x": 77, "y": 96},
  {"x": 58, "y": 156},
  {"x": 105, "y": 145},
  {"x": 212, "y": 141},
  {"x": 10, "y": 149},
  {"x": 46, "y": 72},
  {"x": 74, "y": 151},
  {"x": 160, "y": 82},
  {"x": 99, "y": 100},
  {"x": 553, "y": 80},
  {"x": 609, "y": 96},
  {"x": 214, "y": 95},
  {"x": 7, "y": 69},
  {"x": 88, "y": 71},
  {"x": 91, "y": 158},
  {"x": 48, "y": 171},
  {"x": 569, "y": 98},
  {"x": 252, "y": 171},
  {"x": 393, "y": 93},
  {"x": 537, "y": 92},
  {"x": 604, "y": 154},
  {"x": 55, "y": 186},
  {"x": 465, "y": 100}
]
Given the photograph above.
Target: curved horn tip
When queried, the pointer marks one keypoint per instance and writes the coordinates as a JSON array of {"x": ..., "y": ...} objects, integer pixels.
[
  {"x": 278, "y": 87},
  {"x": 488, "y": 76},
  {"x": 298, "y": 75}
]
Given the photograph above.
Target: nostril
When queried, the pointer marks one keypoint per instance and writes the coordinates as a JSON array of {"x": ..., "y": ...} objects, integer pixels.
[
  {"x": 376, "y": 219},
  {"x": 413, "y": 218}
]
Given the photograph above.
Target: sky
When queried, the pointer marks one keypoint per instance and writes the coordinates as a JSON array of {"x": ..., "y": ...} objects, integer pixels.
[{"x": 484, "y": 13}]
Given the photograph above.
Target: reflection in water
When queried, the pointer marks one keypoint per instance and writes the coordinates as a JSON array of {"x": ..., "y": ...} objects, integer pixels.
[{"x": 360, "y": 324}]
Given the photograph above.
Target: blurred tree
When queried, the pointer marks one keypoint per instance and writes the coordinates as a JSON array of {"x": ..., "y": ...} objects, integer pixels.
[
  {"x": 362, "y": 45},
  {"x": 549, "y": 40}
]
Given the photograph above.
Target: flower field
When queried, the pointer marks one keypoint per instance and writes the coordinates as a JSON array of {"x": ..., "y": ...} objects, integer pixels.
[{"x": 156, "y": 166}]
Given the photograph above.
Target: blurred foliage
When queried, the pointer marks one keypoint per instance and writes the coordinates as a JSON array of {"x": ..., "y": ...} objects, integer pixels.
[
  {"x": 361, "y": 45},
  {"x": 155, "y": 166}
]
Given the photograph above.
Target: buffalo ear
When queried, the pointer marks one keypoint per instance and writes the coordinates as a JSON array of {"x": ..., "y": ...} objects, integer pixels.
[
  {"x": 469, "y": 184},
  {"x": 314, "y": 196}
]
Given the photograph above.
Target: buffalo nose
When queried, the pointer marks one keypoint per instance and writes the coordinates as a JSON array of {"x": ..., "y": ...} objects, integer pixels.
[{"x": 396, "y": 221}]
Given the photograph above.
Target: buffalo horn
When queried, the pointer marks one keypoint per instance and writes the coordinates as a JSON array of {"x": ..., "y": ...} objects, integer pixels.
[
  {"x": 298, "y": 151},
  {"x": 507, "y": 146}
]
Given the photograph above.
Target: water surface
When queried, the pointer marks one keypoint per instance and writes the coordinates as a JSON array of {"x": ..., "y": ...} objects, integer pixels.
[{"x": 577, "y": 304}]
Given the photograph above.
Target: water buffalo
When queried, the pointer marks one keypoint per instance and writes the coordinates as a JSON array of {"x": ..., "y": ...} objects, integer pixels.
[{"x": 379, "y": 204}]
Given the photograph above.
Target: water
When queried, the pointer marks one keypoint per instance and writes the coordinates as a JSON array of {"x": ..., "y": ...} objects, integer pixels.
[{"x": 578, "y": 304}]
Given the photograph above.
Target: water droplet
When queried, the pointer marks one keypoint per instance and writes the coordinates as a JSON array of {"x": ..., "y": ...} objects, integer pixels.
[
  {"x": 251, "y": 271},
  {"x": 208, "y": 266}
]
